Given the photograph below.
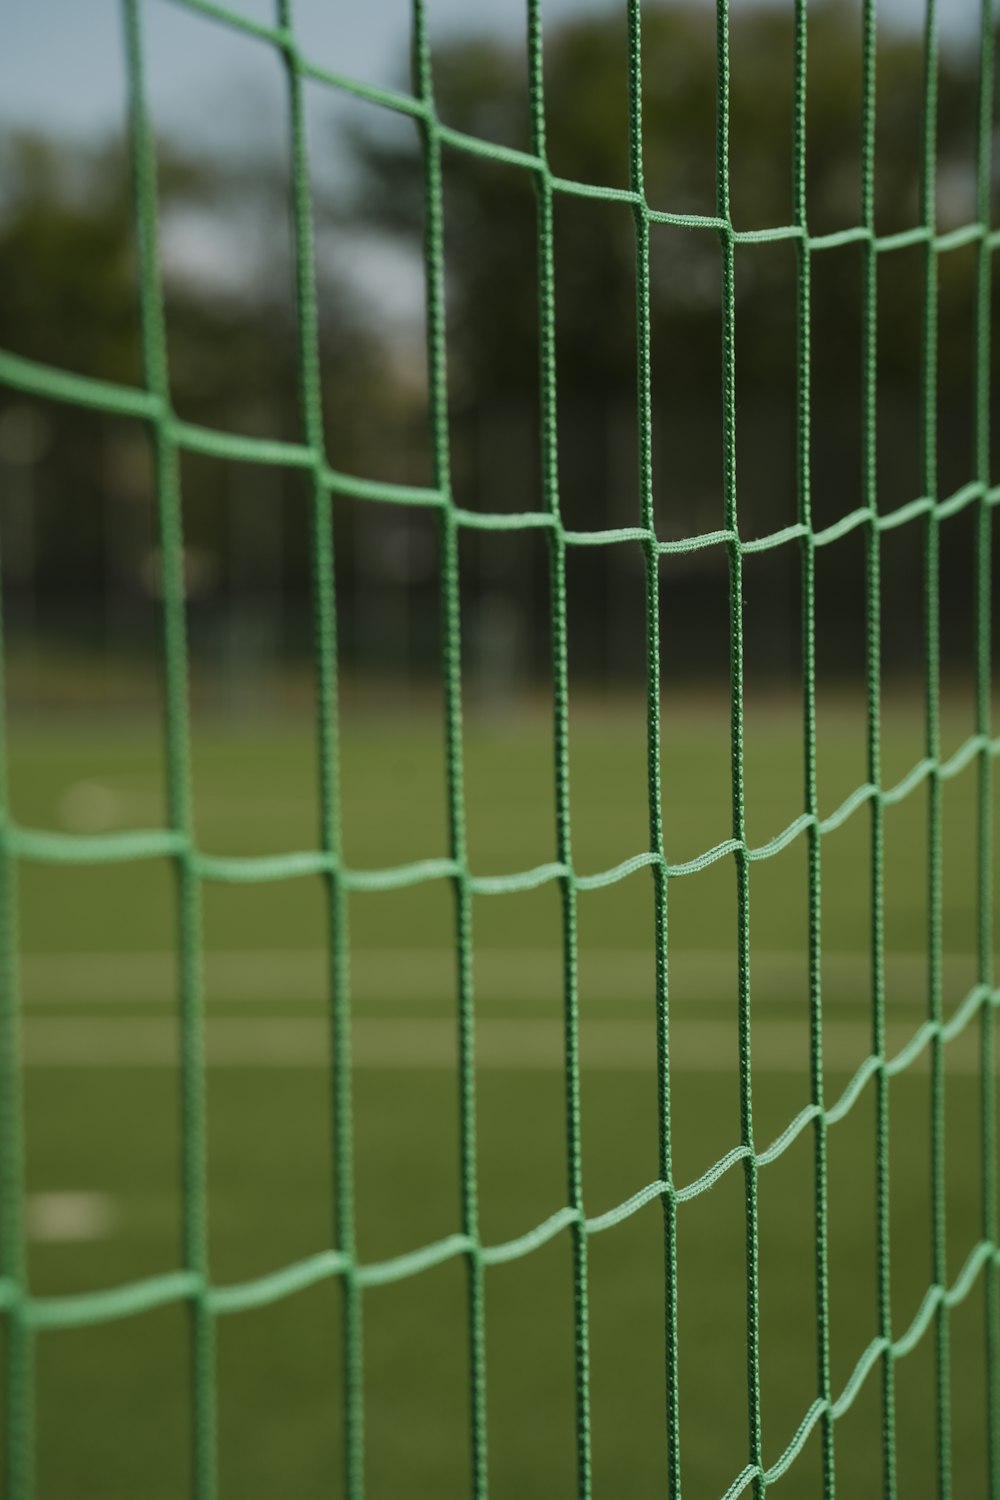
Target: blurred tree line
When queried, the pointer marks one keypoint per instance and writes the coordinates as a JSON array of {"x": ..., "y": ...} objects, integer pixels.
[{"x": 79, "y": 548}]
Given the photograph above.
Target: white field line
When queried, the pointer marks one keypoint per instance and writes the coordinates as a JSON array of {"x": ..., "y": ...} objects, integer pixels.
[
  {"x": 696, "y": 1046},
  {"x": 414, "y": 975}
]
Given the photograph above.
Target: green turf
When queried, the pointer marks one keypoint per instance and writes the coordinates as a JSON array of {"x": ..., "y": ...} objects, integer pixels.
[{"x": 98, "y": 985}]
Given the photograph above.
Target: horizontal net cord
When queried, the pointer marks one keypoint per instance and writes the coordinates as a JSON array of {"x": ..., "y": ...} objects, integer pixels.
[
  {"x": 423, "y": 111},
  {"x": 47, "y": 381},
  {"x": 158, "y": 1291},
  {"x": 924, "y": 505},
  {"x": 982, "y": 1256},
  {"x": 43, "y": 846},
  {"x": 142, "y": 1296}
]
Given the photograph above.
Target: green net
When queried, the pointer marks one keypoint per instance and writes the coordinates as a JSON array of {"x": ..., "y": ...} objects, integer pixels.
[{"x": 27, "y": 1316}]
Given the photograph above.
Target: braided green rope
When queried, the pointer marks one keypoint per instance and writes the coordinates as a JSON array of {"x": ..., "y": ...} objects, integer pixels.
[
  {"x": 811, "y": 790},
  {"x": 26, "y": 1316},
  {"x": 932, "y": 679},
  {"x": 437, "y": 382},
  {"x": 754, "y": 1435},
  {"x": 560, "y": 699},
  {"x": 654, "y": 740},
  {"x": 983, "y": 629},
  {"x": 873, "y": 626},
  {"x": 327, "y": 746},
  {"x": 178, "y": 748}
]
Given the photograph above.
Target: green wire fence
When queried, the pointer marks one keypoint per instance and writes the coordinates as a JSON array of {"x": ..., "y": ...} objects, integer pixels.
[{"x": 24, "y": 1315}]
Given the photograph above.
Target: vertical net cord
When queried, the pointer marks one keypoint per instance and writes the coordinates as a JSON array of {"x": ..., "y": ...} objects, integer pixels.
[
  {"x": 170, "y": 518},
  {"x": 727, "y": 244},
  {"x": 873, "y": 676},
  {"x": 328, "y": 755},
  {"x": 813, "y": 845},
  {"x": 18, "y": 1413},
  {"x": 437, "y": 380},
  {"x": 560, "y": 692},
  {"x": 178, "y": 751},
  {"x": 984, "y": 852},
  {"x": 932, "y": 684},
  {"x": 654, "y": 740}
]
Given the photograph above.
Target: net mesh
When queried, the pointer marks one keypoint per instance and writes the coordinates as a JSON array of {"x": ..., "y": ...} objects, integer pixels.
[{"x": 27, "y": 1316}]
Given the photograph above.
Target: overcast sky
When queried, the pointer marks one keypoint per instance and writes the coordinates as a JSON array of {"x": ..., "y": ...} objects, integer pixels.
[{"x": 61, "y": 60}]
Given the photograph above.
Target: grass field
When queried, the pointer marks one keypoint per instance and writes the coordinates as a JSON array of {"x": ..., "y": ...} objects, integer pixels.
[{"x": 102, "y": 1113}]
